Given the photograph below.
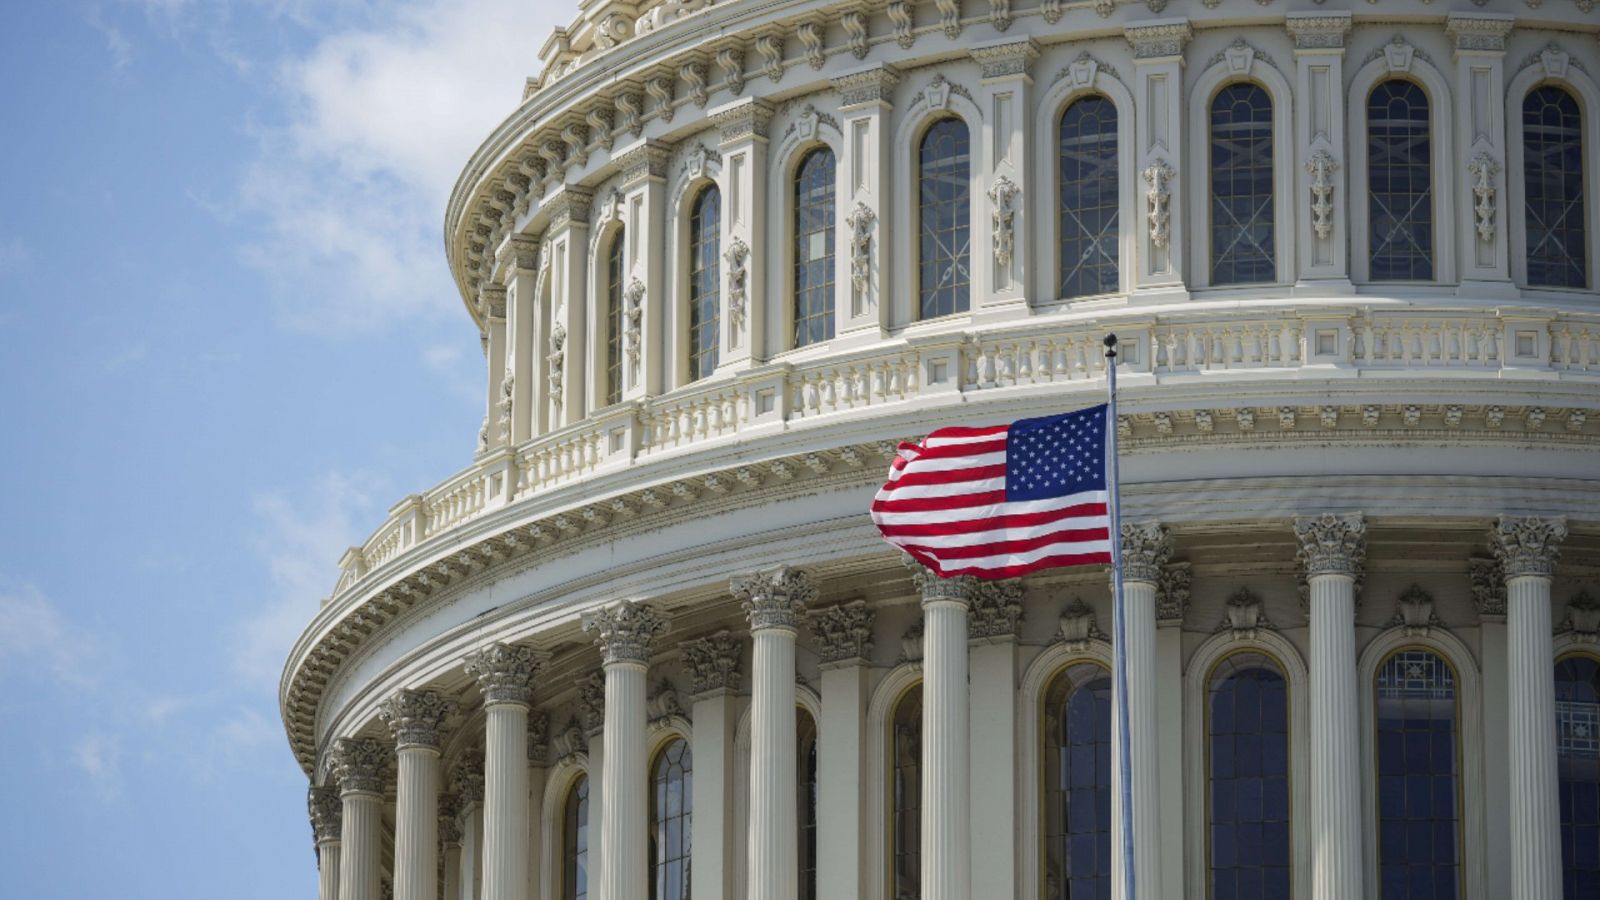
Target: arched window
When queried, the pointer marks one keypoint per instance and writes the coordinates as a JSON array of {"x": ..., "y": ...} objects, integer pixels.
[
  {"x": 944, "y": 224},
  {"x": 806, "y": 734},
  {"x": 1418, "y": 807},
  {"x": 1242, "y": 245},
  {"x": 615, "y": 323},
  {"x": 575, "y": 841},
  {"x": 906, "y": 795},
  {"x": 671, "y": 808},
  {"x": 1578, "y": 765},
  {"x": 813, "y": 248},
  {"x": 1089, "y": 202},
  {"x": 705, "y": 281},
  {"x": 1399, "y": 182},
  {"x": 1077, "y": 783},
  {"x": 1247, "y": 787},
  {"x": 1552, "y": 156}
]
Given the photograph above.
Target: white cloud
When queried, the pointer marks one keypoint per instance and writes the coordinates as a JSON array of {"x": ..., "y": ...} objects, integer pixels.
[
  {"x": 382, "y": 117},
  {"x": 34, "y": 635},
  {"x": 300, "y": 543},
  {"x": 99, "y": 756},
  {"x": 119, "y": 50}
]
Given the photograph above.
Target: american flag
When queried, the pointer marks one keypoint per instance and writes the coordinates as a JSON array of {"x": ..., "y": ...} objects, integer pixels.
[{"x": 1002, "y": 501}]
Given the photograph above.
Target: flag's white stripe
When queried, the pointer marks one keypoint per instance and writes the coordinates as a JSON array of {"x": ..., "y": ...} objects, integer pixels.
[
  {"x": 924, "y": 464},
  {"x": 1006, "y": 560},
  {"x": 997, "y": 535},
  {"x": 949, "y": 441},
  {"x": 953, "y": 489},
  {"x": 979, "y": 513}
]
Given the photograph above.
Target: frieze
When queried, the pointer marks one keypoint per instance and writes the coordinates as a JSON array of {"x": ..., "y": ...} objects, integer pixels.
[{"x": 749, "y": 119}]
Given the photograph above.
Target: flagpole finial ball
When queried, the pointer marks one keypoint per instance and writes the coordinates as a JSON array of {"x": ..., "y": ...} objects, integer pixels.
[{"x": 1111, "y": 345}]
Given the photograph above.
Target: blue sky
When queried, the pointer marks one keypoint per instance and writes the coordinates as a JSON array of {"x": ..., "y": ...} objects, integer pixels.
[{"x": 228, "y": 343}]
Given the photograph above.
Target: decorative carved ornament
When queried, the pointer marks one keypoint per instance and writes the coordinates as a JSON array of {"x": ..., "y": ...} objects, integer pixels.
[
  {"x": 959, "y": 589},
  {"x": 1158, "y": 175},
  {"x": 899, "y": 12},
  {"x": 466, "y": 776},
  {"x": 1004, "y": 196},
  {"x": 633, "y": 312},
  {"x": 1483, "y": 168},
  {"x": 505, "y": 672},
  {"x": 1321, "y": 167},
  {"x": 775, "y": 598},
  {"x": 326, "y": 811},
  {"x": 359, "y": 765},
  {"x": 1414, "y": 612},
  {"x": 996, "y": 610},
  {"x": 663, "y": 704},
  {"x": 567, "y": 743},
  {"x": 1146, "y": 547},
  {"x": 1078, "y": 629},
  {"x": 1583, "y": 618},
  {"x": 1527, "y": 546},
  {"x": 842, "y": 633},
  {"x": 417, "y": 718},
  {"x": 592, "y": 702},
  {"x": 557, "y": 360},
  {"x": 861, "y": 222},
  {"x": 1331, "y": 544},
  {"x": 538, "y": 738},
  {"x": 738, "y": 259},
  {"x": 625, "y": 630},
  {"x": 1172, "y": 593},
  {"x": 712, "y": 663},
  {"x": 1243, "y": 616},
  {"x": 449, "y": 819}
]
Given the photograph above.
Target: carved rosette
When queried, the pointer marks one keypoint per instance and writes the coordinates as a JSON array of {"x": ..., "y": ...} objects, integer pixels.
[
  {"x": 466, "y": 777},
  {"x": 1331, "y": 544},
  {"x": 1172, "y": 593},
  {"x": 842, "y": 633},
  {"x": 326, "y": 811},
  {"x": 449, "y": 819},
  {"x": 933, "y": 588},
  {"x": 359, "y": 765},
  {"x": 1527, "y": 546},
  {"x": 417, "y": 718},
  {"x": 996, "y": 610},
  {"x": 1146, "y": 547},
  {"x": 712, "y": 663},
  {"x": 776, "y": 598},
  {"x": 625, "y": 630},
  {"x": 505, "y": 672},
  {"x": 538, "y": 739}
]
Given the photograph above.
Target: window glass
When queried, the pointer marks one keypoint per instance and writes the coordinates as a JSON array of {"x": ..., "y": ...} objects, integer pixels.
[
  {"x": 1418, "y": 807},
  {"x": 1552, "y": 156},
  {"x": 1241, "y": 186},
  {"x": 1578, "y": 765},
  {"x": 615, "y": 325},
  {"x": 813, "y": 248},
  {"x": 1077, "y": 784},
  {"x": 671, "y": 801},
  {"x": 575, "y": 842},
  {"x": 1088, "y": 157},
  {"x": 1399, "y": 183},
  {"x": 806, "y": 732},
  {"x": 944, "y": 220},
  {"x": 705, "y": 282},
  {"x": 1247, "y": 788},
  {"x": 906, "y": 795}
]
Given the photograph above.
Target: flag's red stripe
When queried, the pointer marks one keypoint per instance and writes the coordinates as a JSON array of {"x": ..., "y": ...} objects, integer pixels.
[
  {"x": 955, "y": 451},
  {"x": 1019, "y": 520},
  {"x": 1001, "y": 548},
  {"x": 956, "y": 431},
  {"x": 937, "y": 504},
  {"x": 948, "y": 476},
  {"x": 1048, "y": 562}
]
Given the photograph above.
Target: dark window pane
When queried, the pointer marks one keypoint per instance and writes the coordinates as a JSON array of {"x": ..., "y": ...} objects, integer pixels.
[
  {"x": 1399, "y": 183},
  {"x": 1242, "y": 236},
  {"x": 1552, "y": 156},
  {"x": 616, "y": 324},
  {"x": 944, "y": 220},
  {"x": 1418, "y": 832},
  {"x": 575, "y": 842},
  {"x": 1248, "y": 796},
  {"x": 906, "y": 748},
  {"x": 1088, "y": 158},
  {"x": 1578, "y": 766},
  {"x": 1077, "y": 783},
  {"x": 705, "y": 281},
  {"x": 671, "y": 779},
  {"x": 813, "y": 248}
]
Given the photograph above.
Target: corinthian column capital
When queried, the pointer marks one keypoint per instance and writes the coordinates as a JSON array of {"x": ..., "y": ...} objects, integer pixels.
[
  {"x": 417, "y": 718},
  {"x": 505, "y": 672},
  {"x": 625, "y": 630},
  {"x": 325, "y": 809},
  {"x": 959, "y": 589},
  {"x": 1527, "y": 546},
  {"x": 775, "y": 598},
  {"x": 1146, "y": 547},
  {"x": 359, "y": 765},
  {"x": 1332, "y": 544}
]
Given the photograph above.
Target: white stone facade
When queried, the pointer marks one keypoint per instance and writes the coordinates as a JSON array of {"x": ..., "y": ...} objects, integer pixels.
[{"x": 1380, "y": 487}]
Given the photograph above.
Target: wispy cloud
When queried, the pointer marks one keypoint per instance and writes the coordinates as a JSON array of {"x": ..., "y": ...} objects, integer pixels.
[
  {"x": 34, "y": 635},
  {"x": 99, "y": 756},
  {"x": 119, "y": 50}
]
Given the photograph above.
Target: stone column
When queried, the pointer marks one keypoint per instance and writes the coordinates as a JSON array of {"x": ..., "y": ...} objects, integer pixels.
[
  {"x": 624, "y": 632},
  {"x": 323, "y": 804},
  {"x": 1145, "y": 549},
  {"x": 450, "y": 845},
  {"x": 843, "y": 638},
  {"x": 505, "y": 676},
  {"x": 712, "y": 664},
  {"x": 416, "y": 719},
  {"x": 863, "y": 191},
  {"x": 1332, "y": 550},
  {"x": 946, "y": 827},
  {"x": 360, "y": 766},
  {"x": 467, "y": 778},
  {"x": 1158, "y": 133},
  {"x": 995, "y": 613},
  {"x": 538, "y": 758},
  {"x": 1527, "y": 549},
  {"x": 776, "y": 602}
]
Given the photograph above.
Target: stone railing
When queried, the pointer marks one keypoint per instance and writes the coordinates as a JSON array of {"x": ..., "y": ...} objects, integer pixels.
[{"x": 895, "y": 373}]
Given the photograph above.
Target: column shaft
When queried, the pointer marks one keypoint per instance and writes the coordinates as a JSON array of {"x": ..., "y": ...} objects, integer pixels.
[
  {"x": 1145, "y": 763},
  {"x": 452, "y": 872},
  {"x": 328, "y": 870},
  {"x": 1535, "y": 808},
  {"x": 534, "y": 844},
  {"x": 416, "y": 834},
  {"x": 359, "y": 850},
  {"x": 774, "y": 847},
  {"x": 623, "y": 811},
  {"x": 946, "y": 847},
  {"x": 505, "y": 812},
  {"x": 842, "y": 783},
  {"x": 1336, "y": 872}
]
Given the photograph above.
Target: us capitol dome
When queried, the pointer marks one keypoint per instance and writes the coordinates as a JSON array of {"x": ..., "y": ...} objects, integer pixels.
[{"x": 724, "y": 257}]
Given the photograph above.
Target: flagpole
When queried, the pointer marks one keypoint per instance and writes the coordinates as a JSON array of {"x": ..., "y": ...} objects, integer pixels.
[{"x": 1119, "y": 622}]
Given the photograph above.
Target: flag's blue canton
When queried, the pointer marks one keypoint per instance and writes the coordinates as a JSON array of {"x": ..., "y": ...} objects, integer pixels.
[{"x": 1056, "y": 455}]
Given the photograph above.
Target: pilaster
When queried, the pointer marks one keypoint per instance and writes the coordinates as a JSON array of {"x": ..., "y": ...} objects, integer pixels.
[
  {"x": 1172, "y": 604},
  {"x": 1480, "y": 51},
  {"x": 498, "y": 417},
  {"x": 523, "y": 331},
  {"x": 1158, "y": 47},
  {"x": 1002, "y": 257},
  {"x": 646, "y": 362},
  {"x": 843, "y": 639},
  {"x": 538, "y": 758},
  {"x": 994, "y": 616},
  {"x": 565, "y": 347},
  {"x": 863, "y": 191},
  {"x": 743, "y": 127},
  {"x": 712, "y": 664},
  {"x": 1322, "y": 217},
  {"x": 466, "y": 777}
]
